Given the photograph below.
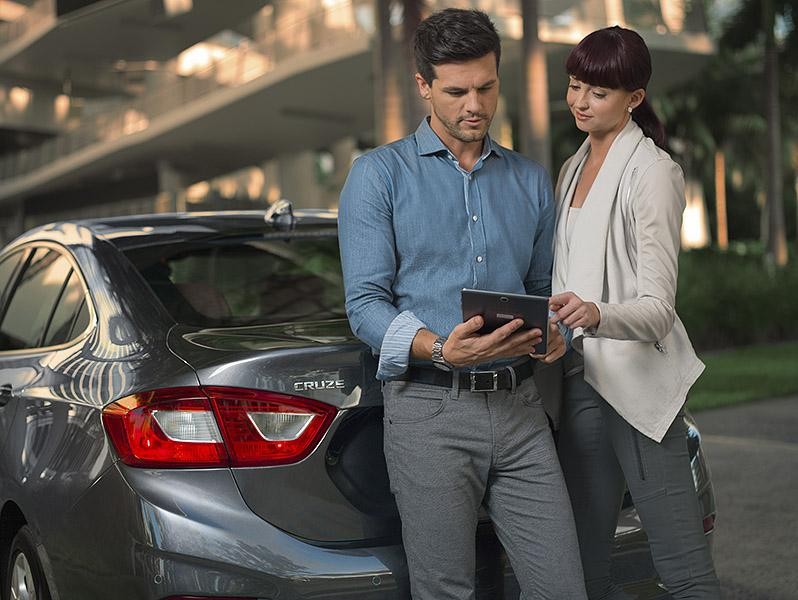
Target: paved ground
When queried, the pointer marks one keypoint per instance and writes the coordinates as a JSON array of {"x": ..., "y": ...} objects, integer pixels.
[{"x": 753, "y": 454}]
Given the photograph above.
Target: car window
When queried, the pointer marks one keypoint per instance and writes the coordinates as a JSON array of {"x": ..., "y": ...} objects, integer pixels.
[
  {"x": 246, "y": 282},
  {"x": 34, "y": 297},
  {"x": 67, "y": 312},
  {"x": 8, "y": 268},
  {"x": 81, "y": 320}
]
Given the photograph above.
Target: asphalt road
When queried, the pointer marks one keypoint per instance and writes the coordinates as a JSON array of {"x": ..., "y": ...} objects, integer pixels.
[{"x": 752, "y": 451}]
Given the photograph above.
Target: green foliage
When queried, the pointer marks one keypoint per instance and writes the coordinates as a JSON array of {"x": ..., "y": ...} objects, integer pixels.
[
  {"x": 744, "y": 28},
  {"x": 722, "y": 109},
  {"x": 744, "y": 374},
  {"x": 729, "y": 299}
]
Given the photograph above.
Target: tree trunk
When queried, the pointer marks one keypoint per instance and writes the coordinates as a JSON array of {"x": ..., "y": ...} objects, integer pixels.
[
  {"x": 534, "y": 102},
  {"x": 794, "y": 155},
  {"x": 720, "y": 200},
  {"x": 777, "y": 239}
]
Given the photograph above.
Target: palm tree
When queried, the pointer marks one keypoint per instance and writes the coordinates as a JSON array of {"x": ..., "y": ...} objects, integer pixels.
[
  {"x": 711, "y": 119},
  {"x": 768, "y": 25}
]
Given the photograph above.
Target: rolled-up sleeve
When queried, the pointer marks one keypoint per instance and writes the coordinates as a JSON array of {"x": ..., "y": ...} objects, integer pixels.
[
  {"x": 396, "y": 345},
  {"x": 368, "y": 260}
]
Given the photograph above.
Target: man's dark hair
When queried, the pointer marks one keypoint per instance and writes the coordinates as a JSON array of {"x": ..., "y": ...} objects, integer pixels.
[{"x": 454, "y": 35}]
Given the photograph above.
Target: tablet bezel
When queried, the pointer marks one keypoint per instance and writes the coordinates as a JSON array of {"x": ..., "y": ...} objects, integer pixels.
[{"x": 498, "y": 309}]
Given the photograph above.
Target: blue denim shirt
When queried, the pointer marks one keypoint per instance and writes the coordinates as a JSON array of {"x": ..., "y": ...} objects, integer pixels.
[{"x": 415, "y": 229}]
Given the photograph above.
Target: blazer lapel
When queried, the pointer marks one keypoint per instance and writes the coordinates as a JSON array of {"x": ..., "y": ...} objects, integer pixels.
[
  {"x": 587, "y": 258},
  {"x": 561, "y": 198}
]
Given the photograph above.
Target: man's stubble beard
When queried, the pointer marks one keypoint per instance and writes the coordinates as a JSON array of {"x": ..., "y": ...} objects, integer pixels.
[{"x": 465, "y": 136}]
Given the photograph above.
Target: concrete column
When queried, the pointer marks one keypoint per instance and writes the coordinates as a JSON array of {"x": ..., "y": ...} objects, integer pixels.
[
  {"x": 615, "y": 12},
  {"x": 416, "y": 108},
  {"x": 171, "y": 189},
  {"x": 272, "y": 190},
  {"x": 594, "y": 12},
  {"x": 298, "y": 182},
  {"x": 534, "y": 102},
  {"x": 389, "y": 116},
  {"x": 342, "y": 152}
]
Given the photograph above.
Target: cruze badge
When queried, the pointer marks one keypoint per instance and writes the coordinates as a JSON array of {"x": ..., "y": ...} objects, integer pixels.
[{"x": 327, "y": 384}]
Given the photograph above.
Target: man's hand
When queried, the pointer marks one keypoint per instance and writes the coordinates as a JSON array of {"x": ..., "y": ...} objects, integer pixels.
[
  {"x": 464, "y": 347},
  {"x": 573, "y": 311},
  {"x": 556, "y": 345}
]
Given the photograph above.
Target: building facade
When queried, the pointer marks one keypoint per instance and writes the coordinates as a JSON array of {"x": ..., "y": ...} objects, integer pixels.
[{"x": 119, "y": 107}]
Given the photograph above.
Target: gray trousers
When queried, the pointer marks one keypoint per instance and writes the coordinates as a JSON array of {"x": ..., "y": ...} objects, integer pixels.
[
  {"x": 449, "y": 451},
  {"x": 599, "y": 450}
]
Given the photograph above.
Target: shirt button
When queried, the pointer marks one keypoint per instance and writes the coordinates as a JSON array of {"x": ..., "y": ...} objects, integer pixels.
[
  {"x": 479, "y": 259},
  {"x": 475, "y": 218}
]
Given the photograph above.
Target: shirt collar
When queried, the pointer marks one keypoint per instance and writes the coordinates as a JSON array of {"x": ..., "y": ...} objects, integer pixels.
[{"x": 428, "y": 141}]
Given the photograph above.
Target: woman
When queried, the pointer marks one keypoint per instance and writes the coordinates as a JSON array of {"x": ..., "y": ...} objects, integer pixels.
[{"x": 620, "y": 200}]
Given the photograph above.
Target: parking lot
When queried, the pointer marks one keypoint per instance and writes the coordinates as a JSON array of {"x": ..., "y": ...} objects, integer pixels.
[{"x": 753, "y": 453}]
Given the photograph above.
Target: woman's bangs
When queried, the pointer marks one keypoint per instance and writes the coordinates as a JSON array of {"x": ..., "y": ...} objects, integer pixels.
[{"x": 595, "y": 64}]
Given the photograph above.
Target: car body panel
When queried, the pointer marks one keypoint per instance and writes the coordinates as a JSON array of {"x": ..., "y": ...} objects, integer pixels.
[
  {"x": 342, "y": 374},
  {"x": 173, "y": 540}
]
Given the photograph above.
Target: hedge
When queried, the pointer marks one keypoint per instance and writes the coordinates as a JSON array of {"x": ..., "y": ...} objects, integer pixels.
[{"x": 731, "y": 298}]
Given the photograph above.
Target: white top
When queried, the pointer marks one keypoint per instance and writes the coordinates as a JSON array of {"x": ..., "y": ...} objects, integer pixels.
[
  {"x": 573, "y": 211},
  {"x": 573, "y": 216}
]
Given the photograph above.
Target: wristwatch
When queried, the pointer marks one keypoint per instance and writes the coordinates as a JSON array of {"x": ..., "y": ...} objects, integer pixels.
[{"x": 437, "y": 354}]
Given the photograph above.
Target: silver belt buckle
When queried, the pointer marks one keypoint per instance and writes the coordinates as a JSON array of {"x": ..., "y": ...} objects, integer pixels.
[{"x": 484, "y": 381}]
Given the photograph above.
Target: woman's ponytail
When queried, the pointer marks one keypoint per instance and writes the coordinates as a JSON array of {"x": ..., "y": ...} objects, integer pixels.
[{"x": 647, "y": 120}]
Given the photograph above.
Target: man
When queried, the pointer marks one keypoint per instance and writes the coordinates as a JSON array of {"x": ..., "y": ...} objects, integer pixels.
[{"x": 420, "y": 219}]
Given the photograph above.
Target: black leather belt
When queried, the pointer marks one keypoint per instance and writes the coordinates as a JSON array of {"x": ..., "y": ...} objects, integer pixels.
[{"x": 505, "y": 378}]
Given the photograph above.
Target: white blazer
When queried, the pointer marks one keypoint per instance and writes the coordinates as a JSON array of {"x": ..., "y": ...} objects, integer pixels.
[{"x": 624, "y": 257}]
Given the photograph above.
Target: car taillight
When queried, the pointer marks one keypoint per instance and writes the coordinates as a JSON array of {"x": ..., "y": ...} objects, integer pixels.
[
  {"x": 215, "y": 427},
  {"x": 267, "y": 428},
  {"x": 172, "y": 427}
]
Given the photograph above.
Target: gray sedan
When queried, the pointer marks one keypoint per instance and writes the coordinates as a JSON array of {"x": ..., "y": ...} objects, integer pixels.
[{"x": 184, "y": 413}]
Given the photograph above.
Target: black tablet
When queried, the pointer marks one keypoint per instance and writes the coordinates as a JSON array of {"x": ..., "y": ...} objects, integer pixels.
[{"x": 499, "y": 309}]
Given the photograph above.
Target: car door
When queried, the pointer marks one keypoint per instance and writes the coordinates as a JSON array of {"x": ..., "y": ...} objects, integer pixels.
[
  {"x": 45, "y": 308},
  {"x": 10, "y": 266}
]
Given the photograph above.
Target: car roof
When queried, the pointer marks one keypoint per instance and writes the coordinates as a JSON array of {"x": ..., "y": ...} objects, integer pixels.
[{"x": 128, "y": 232}]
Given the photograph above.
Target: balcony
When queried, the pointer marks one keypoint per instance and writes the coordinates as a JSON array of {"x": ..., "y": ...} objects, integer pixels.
[{"x": 302, "y": 81}]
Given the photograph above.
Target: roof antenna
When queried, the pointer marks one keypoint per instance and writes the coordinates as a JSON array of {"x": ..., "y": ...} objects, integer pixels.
[{"x": 280, "y": 214}]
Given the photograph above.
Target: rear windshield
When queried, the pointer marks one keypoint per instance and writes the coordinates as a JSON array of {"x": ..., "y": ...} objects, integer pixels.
[{"x": 263, "y": 281}]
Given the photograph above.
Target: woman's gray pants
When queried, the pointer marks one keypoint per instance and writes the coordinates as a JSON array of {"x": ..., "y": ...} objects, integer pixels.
[
  {"x": 599, "y": 450},
  {"x": 448, "y": 451}
]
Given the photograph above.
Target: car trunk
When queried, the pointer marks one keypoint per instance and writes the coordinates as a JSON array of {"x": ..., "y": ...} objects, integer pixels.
[{"x": 338, "y": 494}]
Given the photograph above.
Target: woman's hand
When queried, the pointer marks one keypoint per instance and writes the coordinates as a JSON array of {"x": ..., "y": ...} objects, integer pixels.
[
  {"x": 555, "y": 348},
  {"x": 573, "y": 311}
]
